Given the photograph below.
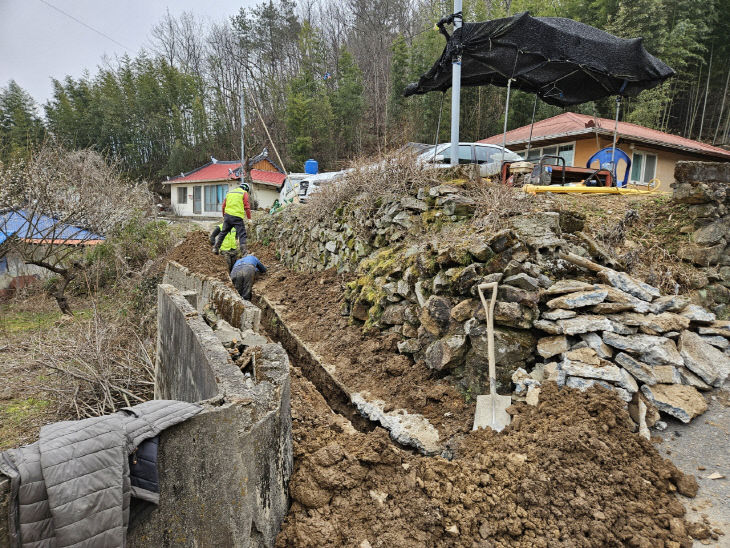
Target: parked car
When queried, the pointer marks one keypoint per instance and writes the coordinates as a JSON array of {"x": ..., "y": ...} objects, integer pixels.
[
  {"x": 487, "y": 157},
  {"x": 311, "y": 184}
]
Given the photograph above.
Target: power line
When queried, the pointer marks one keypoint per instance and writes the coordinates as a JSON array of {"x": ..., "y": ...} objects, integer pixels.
[{"x": 80, "y": 22}]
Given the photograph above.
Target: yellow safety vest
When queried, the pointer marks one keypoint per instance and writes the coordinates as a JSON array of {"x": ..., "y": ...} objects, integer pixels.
[
  {"x": 229, "y": 242},
  {"x": 234, "y": 203}
]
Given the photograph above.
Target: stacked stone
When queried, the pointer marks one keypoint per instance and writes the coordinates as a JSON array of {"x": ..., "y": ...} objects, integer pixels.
[
  {"x": 334, "y": 243},
  {"x": 703, "y": 188},
  {"x": 623, "y": 334}
]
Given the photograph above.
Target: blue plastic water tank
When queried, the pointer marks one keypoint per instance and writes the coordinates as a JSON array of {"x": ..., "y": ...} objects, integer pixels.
[{"x": 311, "y": 167}]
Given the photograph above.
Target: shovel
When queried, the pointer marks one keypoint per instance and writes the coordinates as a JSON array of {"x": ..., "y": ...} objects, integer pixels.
[{"x": 491, "y": 410}]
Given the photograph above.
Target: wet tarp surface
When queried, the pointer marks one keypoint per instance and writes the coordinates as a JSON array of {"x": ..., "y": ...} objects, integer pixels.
[{"x": 563, "y": 61}]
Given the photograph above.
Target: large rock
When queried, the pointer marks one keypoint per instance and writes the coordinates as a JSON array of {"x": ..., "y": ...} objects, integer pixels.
[
  {"x": 456, "y": 204},
  {"x": 579, "y": 299},
  {"x": 625, "y": 283},
  {"x": 523, "y": 281},
  {"x": 445, "y": 353},
  {"x": 567, "y": 286},
  {"x": 548, "y": 327},
  {"x": 618, "y": 296},
  {"x": 718, "y": 327},
  {"x": 711, "y": 234},
  {"x": 584, "y": 324},
  {"x": 594, "y": 341},
  {"x": 584, "y": 362},
  {"x": 691, "y": 379},
  {"x": 559, "y": 314},
  {"x": 514, "y": 315},
  {"x": 640, "y": 371},
  {"x": 651, "y": 349},
  {"x": 512, "y": 347},
  {"x": 467, "y": 277},
  {"x": 584, "y": 384},
  {"x": 680, "y": 401},
  {"x": 701, "y": 255},
  {"x": 538, "y": 230},
  {"x": 697, "y": 314},
  {"x": 709, "y": 363},
  {"x": 502, "y": 240},
  {"x": 435, "y": 316},
  {"x": 394, "y": 314},
  {"x": 669, "y": 303},
  {"x": 552, "y": 346}
]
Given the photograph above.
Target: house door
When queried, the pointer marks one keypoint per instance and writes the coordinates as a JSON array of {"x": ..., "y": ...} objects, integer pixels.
[{"x": 197, "y": 200}]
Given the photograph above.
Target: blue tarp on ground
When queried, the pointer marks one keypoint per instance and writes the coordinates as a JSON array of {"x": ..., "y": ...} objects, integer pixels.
[{"x": 20, "y": 223}]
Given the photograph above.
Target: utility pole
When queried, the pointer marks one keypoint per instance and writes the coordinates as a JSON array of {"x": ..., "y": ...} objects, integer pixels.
[
  {"x": 455, "y": 89},
  {"x": 243, "y": 125}
]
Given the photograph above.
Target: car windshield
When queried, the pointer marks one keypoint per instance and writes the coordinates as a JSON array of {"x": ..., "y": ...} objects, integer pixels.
[{"x": 464, "y": 154}]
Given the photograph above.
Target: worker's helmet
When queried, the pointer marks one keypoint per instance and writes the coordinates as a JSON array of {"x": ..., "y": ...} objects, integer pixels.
[{"x": 244, "y": 186}]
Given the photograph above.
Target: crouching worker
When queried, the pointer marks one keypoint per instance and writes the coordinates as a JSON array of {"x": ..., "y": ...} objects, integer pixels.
[
  {"x": 235, "y": 207},
  {"x": 229, "y": 247},
  {"x": 243, "y": 274}
]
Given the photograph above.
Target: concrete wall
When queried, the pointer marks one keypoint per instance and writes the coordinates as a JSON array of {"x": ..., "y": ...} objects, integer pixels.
[
  {"x": 239, "y": 313},
  {"x": 224, "y": 473}
]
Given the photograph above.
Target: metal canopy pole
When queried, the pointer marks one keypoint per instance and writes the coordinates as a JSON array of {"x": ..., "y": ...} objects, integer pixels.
[
  {"x": 243, "y": 124},
  {"x": 532, "y": 125},
  {"x": 456, "y": 89},
  {"x": 613, "y": 148},
  {"x": 506, "y": 115}
]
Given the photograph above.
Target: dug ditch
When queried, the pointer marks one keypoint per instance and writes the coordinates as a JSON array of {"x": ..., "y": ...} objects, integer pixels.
[{"x": 569, "y": 472}]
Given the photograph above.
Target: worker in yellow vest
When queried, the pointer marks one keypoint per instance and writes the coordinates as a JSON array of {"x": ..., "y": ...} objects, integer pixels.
[
  {"x": 229, "y": 247},
  {"x": 235, "y": 207}
]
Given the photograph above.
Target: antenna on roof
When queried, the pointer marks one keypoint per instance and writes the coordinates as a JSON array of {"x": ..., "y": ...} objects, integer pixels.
[
  {"x": 213, "y": 160},
  {"x": 182, "y": 174},
  {"x": 168, "y": 177}
]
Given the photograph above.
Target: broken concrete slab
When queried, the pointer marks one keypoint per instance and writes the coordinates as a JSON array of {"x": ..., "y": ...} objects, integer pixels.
[
  {"x": 703, "y": 359},
  {"x": 651, "y": 349},
  {"x": 579, "y": 299},
  {"x": 584, "y": 324},
  {"x": 251, "y": 338},
  {"x": 548, "y": 347},
  {"x": 627, "y": 284},
  {"x": 228, "y": 335},
  {"x": 559, "y": 314},
  {"x": 680, "y": 401}
]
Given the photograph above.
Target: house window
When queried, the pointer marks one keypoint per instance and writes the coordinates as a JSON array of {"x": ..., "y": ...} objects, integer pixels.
[
  {"x": 182, "y": 195},
  {"x": 567, "y": 152},
  {"x": 214, "y": 196},
  {"x": 643, "y": 167}
]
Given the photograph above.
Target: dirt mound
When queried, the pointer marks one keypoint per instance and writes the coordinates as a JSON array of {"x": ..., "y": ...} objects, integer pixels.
[
  {"x": 364, "y": 362},
  {"x": 194, "y": 253},
  {"x": 567, "y": 473}
]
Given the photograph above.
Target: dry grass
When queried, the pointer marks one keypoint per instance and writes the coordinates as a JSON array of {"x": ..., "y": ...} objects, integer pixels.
[{"x": 496, "y": 203}]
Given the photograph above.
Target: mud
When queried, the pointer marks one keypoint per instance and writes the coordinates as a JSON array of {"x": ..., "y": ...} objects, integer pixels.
[
  {"x": 311, "y": 304},
  {"x": 194, "y": 252},
  {"x": 568, "y": 473}
]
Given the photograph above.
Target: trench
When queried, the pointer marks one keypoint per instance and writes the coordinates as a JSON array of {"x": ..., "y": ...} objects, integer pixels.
[{"x": 334, "y": 394}]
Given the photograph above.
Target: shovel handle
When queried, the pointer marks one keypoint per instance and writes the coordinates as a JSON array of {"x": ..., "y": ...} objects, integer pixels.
[{"x": 489, "y": 313}]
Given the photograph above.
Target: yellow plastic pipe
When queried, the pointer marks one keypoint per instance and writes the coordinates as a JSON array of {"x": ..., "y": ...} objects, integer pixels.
[{"x": 582, "y": 189}]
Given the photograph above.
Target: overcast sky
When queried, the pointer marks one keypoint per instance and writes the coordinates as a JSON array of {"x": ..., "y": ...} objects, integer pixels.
[{"x": 37, "y": 42}]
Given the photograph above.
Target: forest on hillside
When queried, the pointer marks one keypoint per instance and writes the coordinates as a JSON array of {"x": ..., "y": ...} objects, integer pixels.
[{"x": 327, "y": 78}]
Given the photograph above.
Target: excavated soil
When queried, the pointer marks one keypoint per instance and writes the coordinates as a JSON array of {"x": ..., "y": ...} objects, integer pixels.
[
  {"x": 567, "y": 473},
  {"x": 311, "y": 303},
  {"x": 194, "y": 252}
]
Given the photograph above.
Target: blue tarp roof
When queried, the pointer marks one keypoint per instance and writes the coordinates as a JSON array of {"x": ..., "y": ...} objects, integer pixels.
[{"x": 17, "y": 222}]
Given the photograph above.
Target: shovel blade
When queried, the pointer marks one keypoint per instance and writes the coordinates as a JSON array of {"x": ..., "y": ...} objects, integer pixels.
[{"x": 492, "y": 416}]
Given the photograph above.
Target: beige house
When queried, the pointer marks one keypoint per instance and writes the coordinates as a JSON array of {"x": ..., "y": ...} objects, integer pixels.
[
  {"x": 576, "y": 137},
  {"x": 200, "y": 192}
]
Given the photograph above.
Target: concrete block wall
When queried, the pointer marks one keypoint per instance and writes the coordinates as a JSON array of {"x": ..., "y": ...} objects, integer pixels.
[
  {"x": 228, "y": 303},
  {"x": 224, "y": 473}
]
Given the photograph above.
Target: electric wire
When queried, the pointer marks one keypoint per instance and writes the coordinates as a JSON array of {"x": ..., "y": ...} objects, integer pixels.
[{"x": 80, "y": 22}]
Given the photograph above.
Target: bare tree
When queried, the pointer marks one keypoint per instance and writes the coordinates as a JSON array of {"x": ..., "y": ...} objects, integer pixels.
[{"x": 55, "y": 206}]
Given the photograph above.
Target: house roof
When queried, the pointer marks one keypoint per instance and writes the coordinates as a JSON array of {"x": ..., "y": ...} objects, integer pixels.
[
  {"x": 571, "y": 124},
  {"x": 226, "y": 171},
  {"x": 40, "y": 228}
]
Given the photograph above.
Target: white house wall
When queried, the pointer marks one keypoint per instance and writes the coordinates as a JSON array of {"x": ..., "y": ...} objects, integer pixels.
[{"x": 265, "y": 195}]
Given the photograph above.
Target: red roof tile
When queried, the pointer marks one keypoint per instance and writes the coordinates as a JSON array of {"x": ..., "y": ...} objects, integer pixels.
[
  {"x": 570, "y": 124},
  {"x": 225, "y": 171}
]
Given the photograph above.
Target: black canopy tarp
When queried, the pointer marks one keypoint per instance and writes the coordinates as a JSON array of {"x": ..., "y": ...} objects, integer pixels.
[{"x": 563, "y": 61}]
